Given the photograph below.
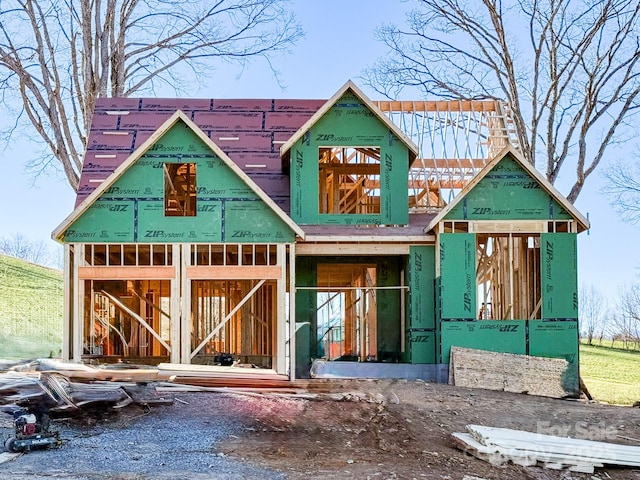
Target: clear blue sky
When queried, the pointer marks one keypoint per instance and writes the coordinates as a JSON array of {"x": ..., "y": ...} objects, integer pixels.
[{"x": 339, "y": 44}]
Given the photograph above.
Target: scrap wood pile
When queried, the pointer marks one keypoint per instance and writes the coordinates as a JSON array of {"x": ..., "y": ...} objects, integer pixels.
[
  {"x": 502, "y": 445},
  {"x": 54, "y": 386}
]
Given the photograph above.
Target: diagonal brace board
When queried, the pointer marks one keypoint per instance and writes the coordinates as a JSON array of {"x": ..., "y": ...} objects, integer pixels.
[
  {"x": 139, "y": 319},
  {"x": 227, "y": 318}
]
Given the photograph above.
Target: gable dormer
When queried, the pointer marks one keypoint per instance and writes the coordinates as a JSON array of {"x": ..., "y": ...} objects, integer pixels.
[
  {"x": 178, "y": 186},
  {"x": 348, "y": 165}
]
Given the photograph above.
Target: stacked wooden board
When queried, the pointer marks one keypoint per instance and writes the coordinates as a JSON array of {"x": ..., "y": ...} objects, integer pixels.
[
  {"x": 501, "y": 445},
  {"x": 218, "y": 376}
]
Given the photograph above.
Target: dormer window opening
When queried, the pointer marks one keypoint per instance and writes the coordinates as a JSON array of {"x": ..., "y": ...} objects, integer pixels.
[{"x": 349, "y": 180}]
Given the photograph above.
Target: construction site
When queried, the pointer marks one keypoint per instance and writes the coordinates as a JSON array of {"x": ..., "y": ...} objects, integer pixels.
[
  {"x": 344, "y": 237},
  {"x": 371, "y": 289}
]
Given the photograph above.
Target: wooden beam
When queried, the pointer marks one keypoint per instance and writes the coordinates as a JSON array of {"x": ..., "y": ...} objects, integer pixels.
[
  {"x": 475, "y": 163},
  {"x": 409, "y": 106},
  {"x": 126, "y": 273},
  {"x": 351, "y": 168},
  {"x": 507, "y": 226},
  {"x": 244, "y": 272},
  {"x": 358, "y": 249}
]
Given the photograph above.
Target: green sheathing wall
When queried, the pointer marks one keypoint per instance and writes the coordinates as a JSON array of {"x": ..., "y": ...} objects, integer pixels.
[
  {"x": 388, "y": 302},
  {"x": 457, "y": 275},
  {"x": 559, "y": 275},
  {"x": 132, "y": 209},
  {"x": 508, "y": 192},
  {"x": 557, "y": 340},
  {"x": 492, "y": 335},
  {"x": 306, "y": 315},
  {"x": 421, "y": 337},
  {"x": 349, "y": 123}
]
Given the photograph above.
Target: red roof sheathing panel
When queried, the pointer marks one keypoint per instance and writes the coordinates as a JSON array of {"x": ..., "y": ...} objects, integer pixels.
[
  {"x": 285, "y": 121},
  {"x": 229, "y": 121},
  {"x": 258, "y": 105},
  {"x": 261, "y": 126}
]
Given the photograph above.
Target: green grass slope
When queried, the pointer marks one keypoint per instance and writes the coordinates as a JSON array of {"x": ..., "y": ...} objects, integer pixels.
[
  {"x": 31, "y": 299},
  {"x": 612, "y": 375}
]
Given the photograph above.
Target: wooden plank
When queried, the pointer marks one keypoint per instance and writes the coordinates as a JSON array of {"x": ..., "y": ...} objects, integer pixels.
[
  {"x": 244, "y": 272},
  {"x": 7, "y": 457},
  {"x": 507, "y": 226},
  {"x": 126, "y": 273},
  {"x": 449, "y": 163},
  {"x": 354, "y": 249},
  {"x": 552, "y": 448}
]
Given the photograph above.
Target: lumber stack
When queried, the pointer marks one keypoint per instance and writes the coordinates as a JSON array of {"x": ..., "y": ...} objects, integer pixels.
[
  {"x": 213, "y": 376},
  {"x": 501, "y": 445}
]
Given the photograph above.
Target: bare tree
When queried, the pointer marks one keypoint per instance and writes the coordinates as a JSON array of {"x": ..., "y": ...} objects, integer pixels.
[
  {"x": 628, "y": 318},
  {"x": 623, "y": 189},
  {"x": 593, "y": 309},
  {"x": 23, "y": 248},
  {"x": 59, "y": 56},
  {"x": 568, "y": 70}
]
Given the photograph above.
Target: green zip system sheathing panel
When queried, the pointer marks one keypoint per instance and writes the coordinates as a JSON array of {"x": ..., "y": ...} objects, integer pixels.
[
  {"x": 349, "y": 123},
  {"x": 559, "y": 276},
  {"x": 306, "y": 315},
  {"x": 132, "y": 209},
  {"x": 508, "y": 192},
  {"x": 557, "y": 339},
  {"x": 422, "y": 264},
  {"x": 388, "y": 308},
  {"x": 421, "y": 337},
  {"x": 492, "y": 335},
  {"x": 457, "y": 275},
  {"x": 421, "y": 346}
]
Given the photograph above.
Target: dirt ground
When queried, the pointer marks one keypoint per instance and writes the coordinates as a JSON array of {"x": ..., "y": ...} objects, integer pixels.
[
  {"x": 349, "y": 429},
  {"x": 402, "y": 429}
]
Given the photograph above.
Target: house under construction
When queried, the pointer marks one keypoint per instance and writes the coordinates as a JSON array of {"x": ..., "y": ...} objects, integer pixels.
[{"x": 372, "y": 235}]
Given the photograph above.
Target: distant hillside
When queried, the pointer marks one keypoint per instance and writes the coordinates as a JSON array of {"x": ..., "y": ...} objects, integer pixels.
[{"x": 31, "y": 299}]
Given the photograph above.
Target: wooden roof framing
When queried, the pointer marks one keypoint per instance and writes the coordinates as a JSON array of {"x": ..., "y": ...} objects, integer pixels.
[{"x": 456, "y": 139}]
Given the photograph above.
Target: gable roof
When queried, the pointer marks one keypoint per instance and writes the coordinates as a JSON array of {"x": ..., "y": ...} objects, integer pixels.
[
  {"x": 583, "y": 223},
  {"x": 350, "y": 86},
  {"x": 249, "y": 131},
  {"x": 142, "y": 149}
]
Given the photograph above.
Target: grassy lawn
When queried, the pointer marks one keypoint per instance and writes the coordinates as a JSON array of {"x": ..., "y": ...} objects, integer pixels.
[
  {"x": 30, "y": 309},
  {"x": 612, "y": 375}
]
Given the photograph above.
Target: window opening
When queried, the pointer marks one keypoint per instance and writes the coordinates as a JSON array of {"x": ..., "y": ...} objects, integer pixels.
[
  {"x": 180, "y": 189},
  {"x": 349, "y": 180},
  {"x": 508, "y": 276}
]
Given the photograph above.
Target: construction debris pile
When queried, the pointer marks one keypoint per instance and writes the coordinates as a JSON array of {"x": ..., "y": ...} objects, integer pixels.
[{"x": 54, "y": 386}]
